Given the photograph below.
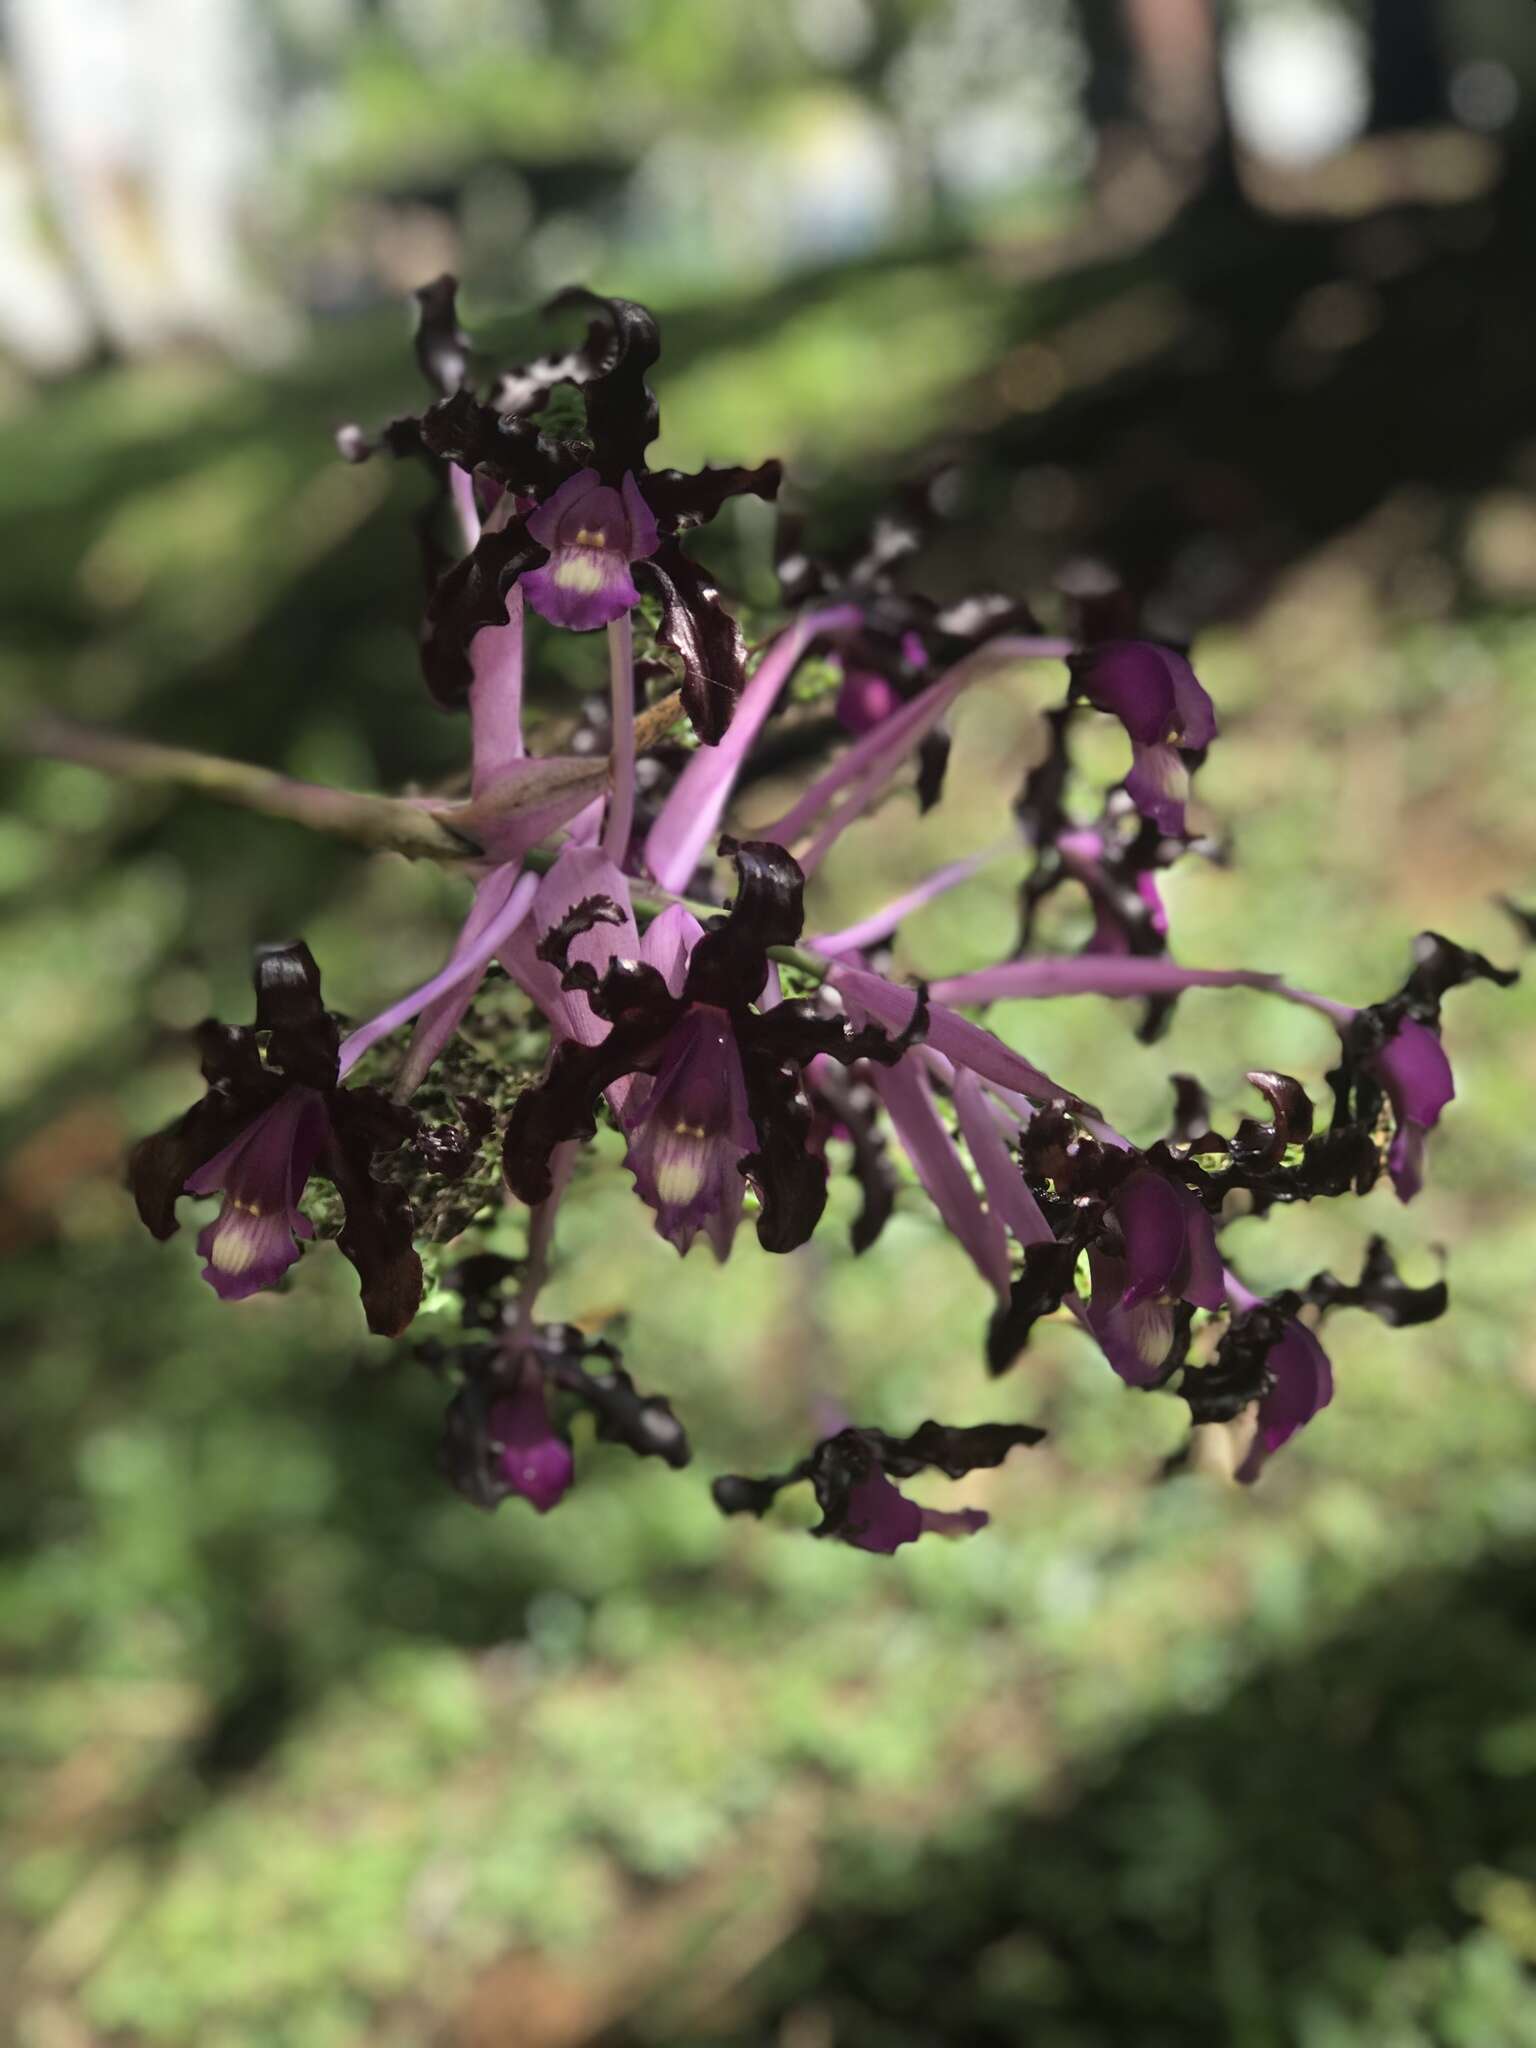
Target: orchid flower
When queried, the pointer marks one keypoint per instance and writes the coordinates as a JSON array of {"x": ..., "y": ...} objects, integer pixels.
[
  {"x": 266, "y": 1124},
  {"x": 852, "y": 1472},
  {"x": 1166, "y": 713}
]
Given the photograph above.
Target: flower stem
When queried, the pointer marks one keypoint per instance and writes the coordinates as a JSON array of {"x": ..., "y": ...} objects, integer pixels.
[
  {"x": 621, "y": 800},
  {"x": 382, "y": 823}
]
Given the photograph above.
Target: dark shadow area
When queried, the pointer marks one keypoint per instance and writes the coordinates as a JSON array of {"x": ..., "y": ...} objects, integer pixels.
[{"x": 1237, "y": 1875}]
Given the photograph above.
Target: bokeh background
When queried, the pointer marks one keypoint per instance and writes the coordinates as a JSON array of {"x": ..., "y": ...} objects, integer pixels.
[{"x": 297, "y": 1750}]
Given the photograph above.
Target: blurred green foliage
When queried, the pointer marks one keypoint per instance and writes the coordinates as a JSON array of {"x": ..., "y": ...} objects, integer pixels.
[{"x": 299, "y": 1749}]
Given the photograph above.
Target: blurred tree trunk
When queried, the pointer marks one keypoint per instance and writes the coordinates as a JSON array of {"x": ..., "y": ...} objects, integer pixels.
[
  {"x": 1408, "y": 88},
  {"x": 148, "y": 156},
  {"x": 1156, "y": 97}
]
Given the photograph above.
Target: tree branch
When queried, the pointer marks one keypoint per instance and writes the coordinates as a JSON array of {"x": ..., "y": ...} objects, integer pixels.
[{"x": 383, "y": 824}]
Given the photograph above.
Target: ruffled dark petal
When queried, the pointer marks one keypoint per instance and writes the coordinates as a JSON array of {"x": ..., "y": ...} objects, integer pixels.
[
  {"x": 1439, "y": 965},
  {"x": 789, "y": 1175},
  {"x": 513, "y": 451},
  {"x": 442, "y": 346},
  {"x": 472, "y": 594},
  {"x": 1381, "y": 1289},
  {"x": 1264, "y": 1144},
  {"x": 851, "y": 1474},
  {"x": 703, "y": 635},
  {"x": 621, "y": 346},
  {"x": 682, "y": 499},
  {"x": 729, "y": 964},
  {"x": 643, "y": 1423},
  {"x": 855, "y": 1112},
  {"x": 1038, "y": 1291},
  {"x": 377, "y": 1229},
  {"x": 159, "y": 1165},
  {"x": 304, "y": 1036}
]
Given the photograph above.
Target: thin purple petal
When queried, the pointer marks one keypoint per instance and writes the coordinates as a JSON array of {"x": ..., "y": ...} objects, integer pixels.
[
  {"x": 1008, "y": 1194},
  {"x": 690, "y": 818},
  {"x": 885, "y": 920},
  {"x": 1092, "y": 974},
  {"x": 904, "y": 1091},
  {"x": 467, "y": 967},
  {"x": 966, "y": 1044}
]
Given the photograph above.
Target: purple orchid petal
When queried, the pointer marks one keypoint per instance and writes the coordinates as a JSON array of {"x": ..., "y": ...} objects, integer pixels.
[
  {"x": 1155, "y": 1225},
  {"x": 644, "y": 535},
  {"x": 865, "y": 700},
  {"x": 880, "y": 1517},
  {"x": 1085, "y": 974},
  {"x": 1193, "y": 709},
  {"x": 465, "y": 967},
  {"x": 581, "y": 588},
  {"x": 1152, "y": 690},
  {"x": 544, "y": 522},
  {"x": 1413, "y": 1068},
  {"x": 1008, "y": 1194},
  {"x": 1204, "y": 1278},
  {"x": 1405, "y": 1160},
  {"x": 1303, "y": 1387},
  {"x": 1135, "y": 1340},
  {"x": 532, "y": 1459},
  {"x": 579, "y": 873},
  {"x": 689, "y": 1134},
  {"x": 690, "y": 818},
  {"x": 904, "y": 1090},
  {"x": 1158, "y": 785},
  {"x": 668, "y": 941},
  {"x": 591, "y": 532},
  {"x": 251, "y": 1242}
]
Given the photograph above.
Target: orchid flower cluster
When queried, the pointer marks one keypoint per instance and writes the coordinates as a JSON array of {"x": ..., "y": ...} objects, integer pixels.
[{"x": 741, "y": 1065}]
